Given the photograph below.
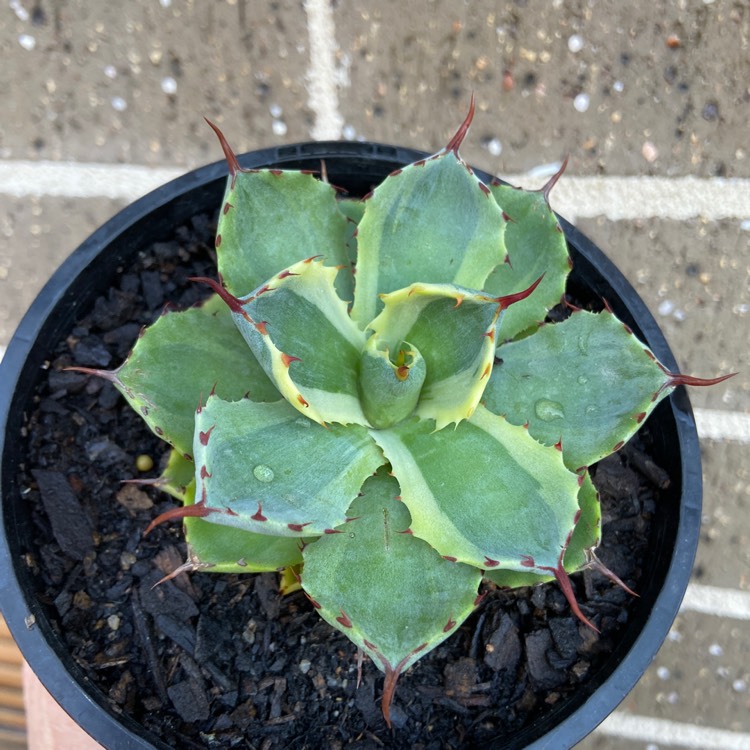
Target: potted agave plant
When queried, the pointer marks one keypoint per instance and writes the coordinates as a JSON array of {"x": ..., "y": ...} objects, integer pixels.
[{"x": 375, "y": 402}]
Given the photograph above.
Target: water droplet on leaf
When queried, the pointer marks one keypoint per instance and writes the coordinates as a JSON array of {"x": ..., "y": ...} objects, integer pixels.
[
  {"x": 582, "y": 380},
  {"x": 263, "y": 473},
  {"x": 548, "y": 410}
]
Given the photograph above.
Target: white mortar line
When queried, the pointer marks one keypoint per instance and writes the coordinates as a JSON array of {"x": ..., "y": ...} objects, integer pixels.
[
  {"x": 716, "y": 424},
  {"x": 623, "y": 198},
  {"x": 615, "y": 198},
  {"x": 671, "y": 733},
  {"x": 78, "y": 180},
  {"x": 713, "y": 600},
  {"x": 322, "y": 77}
]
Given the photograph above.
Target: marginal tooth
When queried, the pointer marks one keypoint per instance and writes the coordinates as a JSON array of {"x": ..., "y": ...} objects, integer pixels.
[{"x": 287, "y": 359}]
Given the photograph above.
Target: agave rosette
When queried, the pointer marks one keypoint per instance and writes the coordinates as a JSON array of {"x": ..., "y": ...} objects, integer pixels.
[{"x": 387, "y": 404}]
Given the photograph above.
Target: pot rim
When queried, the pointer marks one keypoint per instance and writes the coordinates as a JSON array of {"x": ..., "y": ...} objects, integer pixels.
[{"x": 28, "y": 621}]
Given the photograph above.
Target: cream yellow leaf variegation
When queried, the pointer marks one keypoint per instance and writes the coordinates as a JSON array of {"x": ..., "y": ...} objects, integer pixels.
[
  {"x": 300, "y": 331},
  {"x": 453, "y": 329}
]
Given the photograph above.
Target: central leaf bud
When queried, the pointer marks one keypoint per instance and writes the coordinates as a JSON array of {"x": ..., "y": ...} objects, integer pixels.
[{"x": 389, "y": 383}]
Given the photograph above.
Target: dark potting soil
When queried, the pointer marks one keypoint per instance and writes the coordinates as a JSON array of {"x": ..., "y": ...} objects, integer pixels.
[{"x": 223, "y": 661}]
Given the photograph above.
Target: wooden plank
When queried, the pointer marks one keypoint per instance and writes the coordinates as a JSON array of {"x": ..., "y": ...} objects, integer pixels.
[
  {"x": 4, "y": 631},
  {"x": 12, "y": 715},
  {"x": 12, "y": 718},
  {"x": 12, "y": 739},
  {"x": 10, "y": 675},
  {"x": 9, "y": 653},
  {"x": 11, "y": 697},
  {"x": 11, "y": 691},
  {"x": 8, "y": 650}
]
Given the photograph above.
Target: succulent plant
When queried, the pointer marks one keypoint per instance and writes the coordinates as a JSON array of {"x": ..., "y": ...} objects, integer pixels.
[{"x": 373, "y": 398}]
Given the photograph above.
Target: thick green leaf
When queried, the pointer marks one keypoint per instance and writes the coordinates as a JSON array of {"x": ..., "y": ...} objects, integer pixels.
[
  {"x": 224, "y": 549},
  {"x": 453, "y": 330},
  {"x": 178, "y": 477},
  {"x": 536, "y": 246},
  {"x": 301, "y": 333},
  {"x": 354, "y": 210},
  {"x": 486, "y": 493},
  {"x": 588, "y": 531},
  {"x": 390, "y": 382},
  {"x": 265, "y": 468},
  {"x": 178, "y": 360},
  {"x": 386, "y": 590},
  {"x": 587, "y": 383},
  {"x": 431, "y": 222},
  {"x": 586, "y": 536},
  {"x": 272, "y": 219}
]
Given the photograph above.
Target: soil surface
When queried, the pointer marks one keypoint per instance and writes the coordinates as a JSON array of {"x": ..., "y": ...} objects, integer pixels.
[{"x": 223, "y": 661}]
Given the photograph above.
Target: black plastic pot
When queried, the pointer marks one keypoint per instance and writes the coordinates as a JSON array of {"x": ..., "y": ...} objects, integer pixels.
[{"x": 357, "y": 167}]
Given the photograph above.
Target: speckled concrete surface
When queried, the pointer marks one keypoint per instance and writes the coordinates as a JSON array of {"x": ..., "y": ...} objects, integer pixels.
[
  {"x": 623, "y": 89},
  {"x": 645, "y": 89},
  {"x": 36, "y": 228},
  {"x": 700, "y": 657},
  {"x": 723, "y": 557},
  {"x": 626, "y": 89},
  {"x": 119, "y": 82}
]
